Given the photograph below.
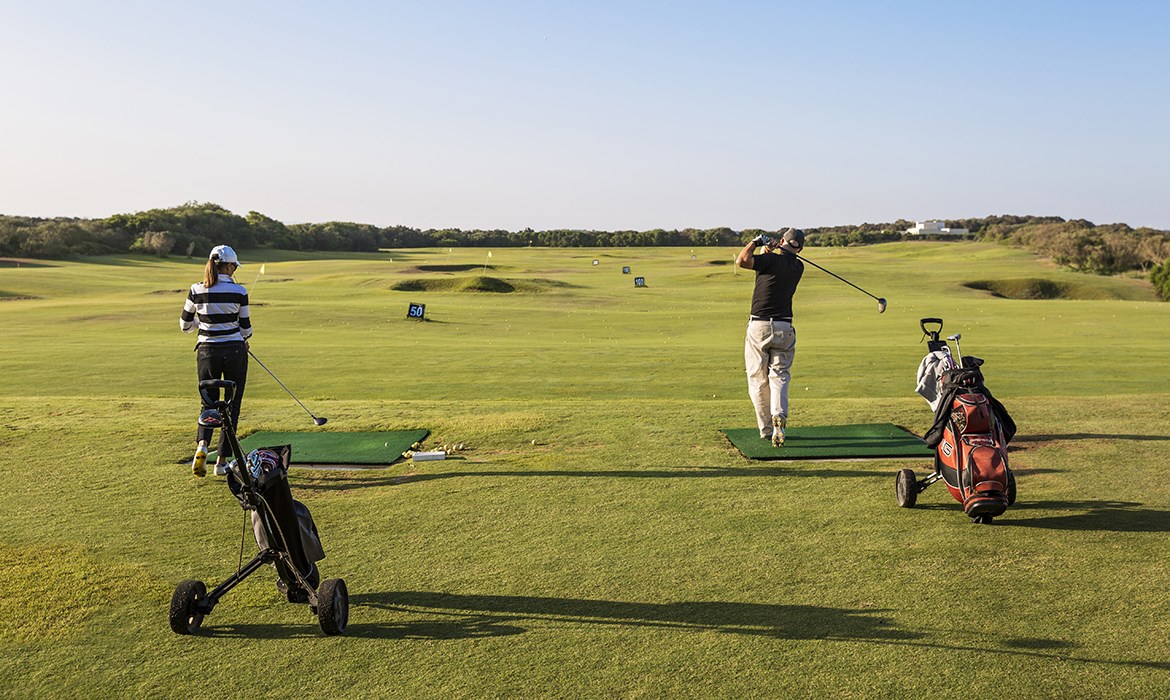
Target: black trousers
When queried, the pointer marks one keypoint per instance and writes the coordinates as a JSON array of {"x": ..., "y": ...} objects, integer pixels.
[{"x": 223, "y": 361}]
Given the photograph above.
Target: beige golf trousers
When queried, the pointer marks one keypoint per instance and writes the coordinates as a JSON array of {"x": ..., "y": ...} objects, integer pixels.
[{"x": 768, "y": 351}]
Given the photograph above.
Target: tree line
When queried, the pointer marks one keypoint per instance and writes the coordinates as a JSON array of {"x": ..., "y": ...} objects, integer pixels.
[{"x": 193, "y": 228}]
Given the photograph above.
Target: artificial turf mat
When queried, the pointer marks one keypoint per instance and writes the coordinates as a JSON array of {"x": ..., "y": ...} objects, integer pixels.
[
  {"x": 832, "y": 442},
  {"x": 337, "y": 448}
]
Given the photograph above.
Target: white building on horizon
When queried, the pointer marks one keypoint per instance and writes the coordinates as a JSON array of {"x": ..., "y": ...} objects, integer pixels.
[{"x": 936, "y": 228}]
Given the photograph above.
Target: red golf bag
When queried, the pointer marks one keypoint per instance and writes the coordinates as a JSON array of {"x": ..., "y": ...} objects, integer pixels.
[
  {"x": 970, "y": 434},
  {"x": 971, "y": 452}
]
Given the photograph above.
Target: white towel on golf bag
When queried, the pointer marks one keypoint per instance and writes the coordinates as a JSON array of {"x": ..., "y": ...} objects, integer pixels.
[{"x": 930, "y": 372}]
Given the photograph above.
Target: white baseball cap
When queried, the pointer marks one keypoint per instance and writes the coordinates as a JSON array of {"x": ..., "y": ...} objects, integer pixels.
[{"x": 225, "y": 254}]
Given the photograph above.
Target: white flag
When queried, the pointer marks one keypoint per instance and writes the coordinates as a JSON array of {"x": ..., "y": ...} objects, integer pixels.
[
  {"x": 489, "y": 253},
  {"x": 261, "y": 269}
]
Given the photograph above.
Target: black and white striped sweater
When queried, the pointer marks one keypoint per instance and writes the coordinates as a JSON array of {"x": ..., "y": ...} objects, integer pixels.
[{"x": 222, "y": 311}]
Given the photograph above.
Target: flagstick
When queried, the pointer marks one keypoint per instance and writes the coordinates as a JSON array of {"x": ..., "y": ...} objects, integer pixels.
[
  {"x": 485, "y": 264},
  {"x": 257, "y": 278}
]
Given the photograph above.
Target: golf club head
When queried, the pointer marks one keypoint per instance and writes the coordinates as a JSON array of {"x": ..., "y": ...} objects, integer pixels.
[
  {"x": 320, "y": 421},
  {"x": 881, "y": 306}
]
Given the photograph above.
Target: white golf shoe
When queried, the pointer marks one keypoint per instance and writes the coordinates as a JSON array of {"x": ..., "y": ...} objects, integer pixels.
[{"x": 778, "y": 425}]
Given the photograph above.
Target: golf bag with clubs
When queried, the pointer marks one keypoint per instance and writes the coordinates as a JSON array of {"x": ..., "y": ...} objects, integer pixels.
[
  {"x": 284, "y": 530},
  {"x": 970, "y": 433}
]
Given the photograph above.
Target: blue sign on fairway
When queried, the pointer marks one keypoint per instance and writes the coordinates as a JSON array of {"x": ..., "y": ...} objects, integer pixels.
[
  {"x": 625, "y": 269},
  {"x": 416, "y": 311},
  {"x": 639, "y": 281}
]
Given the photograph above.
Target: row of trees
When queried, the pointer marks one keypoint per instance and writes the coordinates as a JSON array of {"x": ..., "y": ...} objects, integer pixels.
[{"x": 193, "y": 228}]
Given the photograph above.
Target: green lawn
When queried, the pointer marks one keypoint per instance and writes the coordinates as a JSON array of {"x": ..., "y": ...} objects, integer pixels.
[{"x": 600, "y": 538}]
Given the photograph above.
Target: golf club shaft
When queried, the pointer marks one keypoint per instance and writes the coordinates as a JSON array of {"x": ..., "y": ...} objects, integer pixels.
[
  {"x": 282, "y": 386},
  {"x": 810, "y": 262}
]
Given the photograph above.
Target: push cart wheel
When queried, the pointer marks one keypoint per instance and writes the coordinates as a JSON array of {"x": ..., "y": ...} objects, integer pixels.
[
  {"x": 186, "y": 617},
  {"x": 906, "y": 488},
  {"x": 1011, "y": 488},
  {"x": 333, "y": 606},
  {"x": 982, "y": 519}
]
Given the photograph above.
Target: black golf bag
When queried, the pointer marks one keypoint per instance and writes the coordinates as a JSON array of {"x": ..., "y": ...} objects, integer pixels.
[
  {"x": 284, "y": 523},
  {"x": 283, "y": 527}
]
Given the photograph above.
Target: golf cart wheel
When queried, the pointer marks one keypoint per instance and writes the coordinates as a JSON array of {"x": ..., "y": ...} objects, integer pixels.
[
  {"x": 1011, "y": 488},
  {"x": 906, "y": 488},
  {"x": 333, "y": 606},
  {"x": 185, "y": 603}
]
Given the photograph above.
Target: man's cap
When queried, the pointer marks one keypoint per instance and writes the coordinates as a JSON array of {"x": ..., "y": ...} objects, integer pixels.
[
  {"x": 793, "y": 237},
  {"x": 224, "y": 254}
]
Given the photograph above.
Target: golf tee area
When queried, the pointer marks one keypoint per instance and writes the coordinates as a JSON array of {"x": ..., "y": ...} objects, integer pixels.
[{"x": 596, "y": 534}]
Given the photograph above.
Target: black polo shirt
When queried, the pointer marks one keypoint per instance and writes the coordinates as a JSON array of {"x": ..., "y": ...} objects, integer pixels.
[{"x": 776, "y": 280}]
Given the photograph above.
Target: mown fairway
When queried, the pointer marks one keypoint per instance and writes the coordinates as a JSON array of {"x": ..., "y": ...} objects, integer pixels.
[{"x": 629, "y": 551}]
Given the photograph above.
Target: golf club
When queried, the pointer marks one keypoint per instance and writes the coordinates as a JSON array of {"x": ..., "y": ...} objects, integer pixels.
[
  {"x": 955, "y": 339},
  {"x": 316, "y": 420},
  {"x": 881, "y": 302}
]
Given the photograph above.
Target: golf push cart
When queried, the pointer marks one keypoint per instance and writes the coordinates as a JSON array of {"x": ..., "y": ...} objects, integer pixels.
[
  {"x": 970, "y": 433},
  {"x": 283, "y": 527}
]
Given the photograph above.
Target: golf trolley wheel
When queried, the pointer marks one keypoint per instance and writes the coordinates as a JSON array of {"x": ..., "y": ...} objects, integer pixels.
[
  {"x": 185, "y": 615},
  {"x": 906, "y": 488},
  {"x": 982, "y": 519},
  {"x": 1011, "y": 488},
  {"x": 333, "y": 606}
]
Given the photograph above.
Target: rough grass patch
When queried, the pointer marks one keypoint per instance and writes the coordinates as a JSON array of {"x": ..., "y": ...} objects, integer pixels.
[{"x": 60, "y": 587}]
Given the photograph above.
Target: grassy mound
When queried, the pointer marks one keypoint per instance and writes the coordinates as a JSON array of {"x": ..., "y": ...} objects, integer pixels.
[
  {"x": 1040, "y": 288},
  {"x": 452, "y": 268},
  {"x": 12, "y": 296},
  {"x": 479, "y": 283},
  {"x": 1026, "y": 288},
  {"x": 13, "y": 262}
]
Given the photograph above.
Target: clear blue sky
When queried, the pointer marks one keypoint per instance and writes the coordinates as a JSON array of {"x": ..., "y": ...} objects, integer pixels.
[{"x": 595, "y": 114}]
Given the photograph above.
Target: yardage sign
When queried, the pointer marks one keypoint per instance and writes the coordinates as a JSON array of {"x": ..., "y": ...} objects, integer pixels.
[
  {"x": 625, "y": 269},
  {"x": 639, "y": 281},
  {"x": 416, "y": 311}
]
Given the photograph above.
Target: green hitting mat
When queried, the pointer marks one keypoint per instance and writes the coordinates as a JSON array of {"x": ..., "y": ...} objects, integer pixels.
[
  {"x": 337, "y": 448},
  {"x": 861, "y": 441}
]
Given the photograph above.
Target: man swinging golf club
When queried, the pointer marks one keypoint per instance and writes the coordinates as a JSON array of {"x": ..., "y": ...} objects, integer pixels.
[{"x": 771, "y": 339}]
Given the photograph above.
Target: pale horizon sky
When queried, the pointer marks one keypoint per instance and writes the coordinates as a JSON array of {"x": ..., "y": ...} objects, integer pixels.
[{"x": 588, "y": 115}]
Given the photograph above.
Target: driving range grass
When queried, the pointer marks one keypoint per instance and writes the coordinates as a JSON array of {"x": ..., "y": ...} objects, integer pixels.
[{"x": 600, "y": 538}]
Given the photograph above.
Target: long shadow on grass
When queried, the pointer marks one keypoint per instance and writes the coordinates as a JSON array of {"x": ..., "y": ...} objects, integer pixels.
[
  {"x": 1110, "y": 516},
  {"x": 350, "y": 480},
  {"x": 470, "y": 616},
  {"x": 779, "y": 621},
  {"x": 468, "y": 627},
  {"x": 1089, "y": 436}
]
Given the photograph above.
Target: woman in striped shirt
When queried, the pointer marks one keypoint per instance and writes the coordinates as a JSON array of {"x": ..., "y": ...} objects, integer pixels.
[{"x": 224, "y": 327}]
